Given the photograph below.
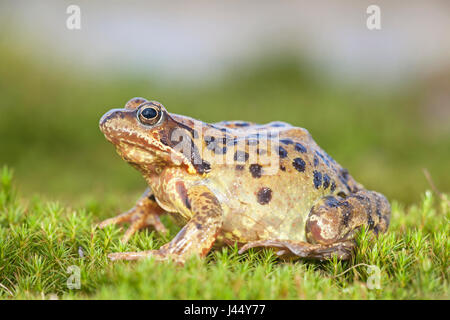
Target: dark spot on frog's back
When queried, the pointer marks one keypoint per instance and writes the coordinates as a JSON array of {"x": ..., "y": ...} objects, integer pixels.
[
  {"x": 255, "y": 170},
  {"x": 300, "y": 148},
  {"x": 299, "y": 164},
  {"x": 212, "y": 144},
  {"x": 282, "y": 152},
  {"x": 378, "y": 207},
  {"x": 209, "y": 140},
  {"x": 326, "y": 181},
  {"x": 182, "y": 192},
  {"x": 343, "y": 177},
  {"x": 317, "y": 179},
  {"x": 286, "y": 141},
  {"x": 344, "y": 174},
  {"x": 316, "y": 161},
  {"x": 333, "y": 186},
  {"x": 329, "y": 157},
  {"x": 278, "y": 124},
  {"x": 331, "y": 202},
  {"x": 264, "y": 195},
  {"x": 321, "y": 156},
  {"x": 241, "y": 124}
]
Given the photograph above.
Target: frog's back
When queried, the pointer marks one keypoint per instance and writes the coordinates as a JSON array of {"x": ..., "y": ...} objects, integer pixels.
[{"x": 269, "y": 176}]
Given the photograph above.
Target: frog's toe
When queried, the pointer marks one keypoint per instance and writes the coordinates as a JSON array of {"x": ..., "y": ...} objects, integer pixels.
[
  {"x": 134, "y": 255},
  {"x": 138, "y": 220},
  {"x": 141, "y": 222},
  {"x": 154, "y": 221},
  {"x": 159, "y": 255},
  {"x": 279, "y": 246},
  {"x": 121, "y": 218}
]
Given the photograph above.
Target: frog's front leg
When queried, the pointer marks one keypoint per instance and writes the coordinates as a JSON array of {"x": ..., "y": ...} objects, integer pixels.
[
  {"x": 332, "y": 225},
  {"x": 196, "y": 237},
  {"x": 145, "y": 213}
]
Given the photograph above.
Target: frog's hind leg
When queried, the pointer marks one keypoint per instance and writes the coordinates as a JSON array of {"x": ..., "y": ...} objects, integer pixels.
[
  {"x": 287, "y": 249},
  {"x": 335, "y": 219},
  {"x": 144, "y": 214},
  {"x": 332, "y": 225}
]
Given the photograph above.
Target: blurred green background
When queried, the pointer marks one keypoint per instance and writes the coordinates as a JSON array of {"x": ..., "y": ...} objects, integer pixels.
[{"x": 49, "y": 112}]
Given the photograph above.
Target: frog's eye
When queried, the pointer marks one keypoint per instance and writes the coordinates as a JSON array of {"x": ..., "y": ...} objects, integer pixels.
[{"x": 149, "y": 115}]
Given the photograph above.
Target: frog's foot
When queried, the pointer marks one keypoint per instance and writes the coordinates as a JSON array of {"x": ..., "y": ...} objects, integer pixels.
[
  {"x": 138, "y": 220},
  {"x": 159, "y": 255},
  {"x": 301, "y": 249}
]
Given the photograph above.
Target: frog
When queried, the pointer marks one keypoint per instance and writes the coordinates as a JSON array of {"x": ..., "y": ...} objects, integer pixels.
[{"x": 238, "y": 183}]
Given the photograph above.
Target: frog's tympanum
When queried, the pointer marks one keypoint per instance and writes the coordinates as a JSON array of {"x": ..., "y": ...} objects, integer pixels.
[{"x": 236, "y": 182}]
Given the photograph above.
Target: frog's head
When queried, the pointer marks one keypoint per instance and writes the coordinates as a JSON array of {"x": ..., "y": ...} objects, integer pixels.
[{"x": 148, "y": 137}]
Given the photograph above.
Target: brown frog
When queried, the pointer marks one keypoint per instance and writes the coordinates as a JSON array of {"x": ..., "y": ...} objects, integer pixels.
[{"x": 232, "y": 182}]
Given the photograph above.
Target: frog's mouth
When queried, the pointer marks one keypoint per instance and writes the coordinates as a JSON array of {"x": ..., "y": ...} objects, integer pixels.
[
  {"x": 133, "y": 148},
  {"x": 136, "y": 154},
  {"x": 148, "y": 157}
]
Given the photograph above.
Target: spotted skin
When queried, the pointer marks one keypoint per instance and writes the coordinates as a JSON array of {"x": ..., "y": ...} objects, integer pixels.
[{"x": 239, "y": 182}]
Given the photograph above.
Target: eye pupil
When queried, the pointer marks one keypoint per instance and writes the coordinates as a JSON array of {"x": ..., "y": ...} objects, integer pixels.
[{"x": 149, "y": 113}]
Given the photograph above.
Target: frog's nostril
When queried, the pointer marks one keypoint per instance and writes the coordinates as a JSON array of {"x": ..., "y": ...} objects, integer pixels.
[
  {"x": 104, "y": 120},
  {"x": 107, "y": 117}
]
